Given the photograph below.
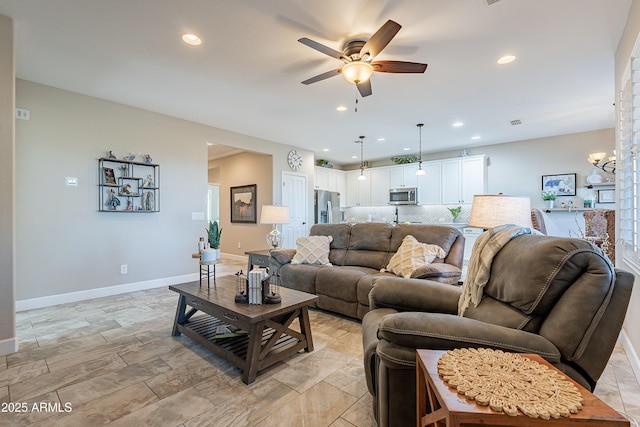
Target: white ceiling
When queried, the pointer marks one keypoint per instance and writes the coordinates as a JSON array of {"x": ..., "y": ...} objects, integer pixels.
[{"x": 246, "y": 75}]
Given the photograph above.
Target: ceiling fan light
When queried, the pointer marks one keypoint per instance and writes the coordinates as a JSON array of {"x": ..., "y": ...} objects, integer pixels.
[{"x": 357, "y": 71}]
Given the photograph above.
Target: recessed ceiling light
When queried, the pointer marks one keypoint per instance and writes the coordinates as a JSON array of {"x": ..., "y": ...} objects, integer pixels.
[
  {"x": 506, "y": 59},
  {"x": 191, "y": 39},
  {"x": 475, "y": 137},
  {"x": 381, "y": 138},
  {"x": 325, "y": 149},
  {"x": 406, "y": 149},
  {"x": 457, "y": 124},
  {"x": 354, "y": 157},
  {"x": 341, "y": 108}
]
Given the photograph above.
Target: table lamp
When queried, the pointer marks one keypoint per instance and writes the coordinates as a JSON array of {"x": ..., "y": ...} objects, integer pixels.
[
  {"x": 492, "y": 210},
  {"x": 274, "y": 215}
]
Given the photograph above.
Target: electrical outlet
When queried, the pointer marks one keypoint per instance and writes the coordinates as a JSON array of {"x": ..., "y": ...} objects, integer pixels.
[
  {"x": 239, "y": 245},
  {"x": 23, "y": 114},
  {"x": 123, "y": 269}
]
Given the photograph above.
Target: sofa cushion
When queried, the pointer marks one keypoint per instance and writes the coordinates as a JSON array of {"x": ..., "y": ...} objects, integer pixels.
[
  {"x": 369, "y": 245},
  {"x": 301, "y": 277},
  {"x": 445, "y": 237},
  {"x": 340, "y": 282},
  {"x": 312, "y": 250},
  {"x": 412, "y": 255}
]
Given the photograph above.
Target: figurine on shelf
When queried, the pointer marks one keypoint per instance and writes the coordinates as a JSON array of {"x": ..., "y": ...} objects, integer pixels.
[
  {"x": 113, "y": 201},
  {"x": 124, "y": 171},
  {"x": 148, "y": 202},
  {"x": 147, "y": 158},
  {"x": 148, "y": 182},
  {"x": 125, "y": 189},
  {"x": 130, "y": 157},
  {"x": 129, "y": 205},
  {"x": 111, "y": 155}
]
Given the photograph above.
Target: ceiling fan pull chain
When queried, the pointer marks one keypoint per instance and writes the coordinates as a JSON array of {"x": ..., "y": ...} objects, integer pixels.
[{"x": 356, "y": 108}]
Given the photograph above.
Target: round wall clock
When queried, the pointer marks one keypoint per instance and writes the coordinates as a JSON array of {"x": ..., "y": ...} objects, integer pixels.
[{"x": 294, "y": 159}]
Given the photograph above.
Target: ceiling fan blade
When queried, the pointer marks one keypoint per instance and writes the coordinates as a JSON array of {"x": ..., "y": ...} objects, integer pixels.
[
  {"x": 398, "y": 67},
  {"x": 365, "y": 88},
  {"x": 322, "y": 76},
  {"x": 321, "y": 48},
  {"x": 380, "y": 39}
]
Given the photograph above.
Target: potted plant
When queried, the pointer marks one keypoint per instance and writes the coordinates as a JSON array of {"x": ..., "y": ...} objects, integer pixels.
[
  {"x": 549, "y": 196},
  {"x": 214, "y": 232},
  {"x": 455, "y": 213}
]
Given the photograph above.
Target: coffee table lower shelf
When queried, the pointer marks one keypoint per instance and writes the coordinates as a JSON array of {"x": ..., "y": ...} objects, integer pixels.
[{"x": 235, "y": 349}]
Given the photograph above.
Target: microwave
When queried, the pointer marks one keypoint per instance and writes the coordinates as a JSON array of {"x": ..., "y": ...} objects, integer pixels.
[{"x": 403, "y": 196}]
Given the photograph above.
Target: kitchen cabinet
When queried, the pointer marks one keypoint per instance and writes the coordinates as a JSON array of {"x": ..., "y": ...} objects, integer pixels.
[
  {"x": 430, "y": 184},
  {"x": 379, "y": 186},
  {"x": 358, "y": 192},
  {"x": 462, "y": 178},
  {"x": 402, "y": 176},
  {"x": 328, "y": 179}
]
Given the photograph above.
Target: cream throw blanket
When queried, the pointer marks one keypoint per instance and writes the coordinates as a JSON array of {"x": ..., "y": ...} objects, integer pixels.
[{"x": 486, "y": 247}]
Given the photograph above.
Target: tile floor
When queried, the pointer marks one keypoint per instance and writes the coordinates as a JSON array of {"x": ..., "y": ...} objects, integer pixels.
[{"x": 112, "y": 361}]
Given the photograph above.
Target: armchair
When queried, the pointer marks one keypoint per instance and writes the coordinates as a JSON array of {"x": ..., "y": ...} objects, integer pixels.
[{"x": 557, "y": 297}]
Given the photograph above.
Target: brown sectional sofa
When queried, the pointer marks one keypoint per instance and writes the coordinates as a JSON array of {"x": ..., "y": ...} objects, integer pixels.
[{"x": 357, "y": 253}]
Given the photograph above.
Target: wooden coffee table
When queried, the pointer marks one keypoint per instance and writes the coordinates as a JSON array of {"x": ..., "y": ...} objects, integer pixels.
[
  {"x": 270, "y": 338},
  {"x": 452, "y": 410}
]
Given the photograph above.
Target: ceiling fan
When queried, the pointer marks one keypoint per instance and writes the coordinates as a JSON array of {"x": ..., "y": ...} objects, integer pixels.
[{"x": 358, "y": 56}]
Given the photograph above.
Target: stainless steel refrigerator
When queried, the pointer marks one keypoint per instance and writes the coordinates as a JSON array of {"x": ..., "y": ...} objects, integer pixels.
[{"x": 327, "y": 207}]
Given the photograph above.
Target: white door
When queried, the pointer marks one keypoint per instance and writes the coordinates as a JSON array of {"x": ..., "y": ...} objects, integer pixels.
[{"x": 294, "y": 195}]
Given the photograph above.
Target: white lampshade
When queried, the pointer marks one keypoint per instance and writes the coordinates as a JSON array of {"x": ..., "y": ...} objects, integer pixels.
[
  {"x": 357, "y": 71},
  {"x": 272, "y": 214},
  {"x": 490, "y": 211}
]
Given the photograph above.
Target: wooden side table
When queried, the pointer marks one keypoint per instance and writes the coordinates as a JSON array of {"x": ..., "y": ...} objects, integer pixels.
[
  {"x": 450, "y": 409},
  {"x": 259, "y": 258}
]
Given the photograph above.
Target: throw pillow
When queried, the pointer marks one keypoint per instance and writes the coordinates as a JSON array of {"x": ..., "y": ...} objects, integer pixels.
[
  {"x": 412, "y": 255},
  {"x": 312, "y": 250}
]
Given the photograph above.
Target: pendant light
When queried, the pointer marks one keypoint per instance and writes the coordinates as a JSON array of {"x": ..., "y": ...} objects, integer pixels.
[
  {"x": 420, "y": 171},
  {"x": 361, "y": 177}
]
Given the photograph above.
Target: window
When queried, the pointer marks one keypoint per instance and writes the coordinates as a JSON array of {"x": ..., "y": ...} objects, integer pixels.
[{"x": 628, "y": 167}]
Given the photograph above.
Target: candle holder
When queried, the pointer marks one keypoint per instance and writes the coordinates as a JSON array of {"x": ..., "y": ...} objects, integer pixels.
[
  {"x": 270, "y": 288},
  {"x": 242, "y": 296}
]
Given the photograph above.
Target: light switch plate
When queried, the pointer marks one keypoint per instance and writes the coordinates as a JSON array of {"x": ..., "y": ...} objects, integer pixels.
[{"x": 70, "y": 181}]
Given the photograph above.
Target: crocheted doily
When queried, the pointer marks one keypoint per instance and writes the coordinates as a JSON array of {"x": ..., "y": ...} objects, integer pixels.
[{"x": 508, "y": 382}]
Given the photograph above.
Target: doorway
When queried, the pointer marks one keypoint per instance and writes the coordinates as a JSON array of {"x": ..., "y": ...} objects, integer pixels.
[{"x": 213, "y": 203}]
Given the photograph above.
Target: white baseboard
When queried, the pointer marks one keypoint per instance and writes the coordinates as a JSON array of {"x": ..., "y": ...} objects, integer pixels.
[
  {"x": 631, "y": 354},
  {"x": 8, "y": 346},
  {"x": 30, "y": 304}
]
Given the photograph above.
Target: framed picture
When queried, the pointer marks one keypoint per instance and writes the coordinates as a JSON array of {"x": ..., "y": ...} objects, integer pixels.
[
  {"x": 243, "y": 204},
  {"x": 563, "y": 185},
  {"x": 606, "y": 196},
  {"x": 109, "y": 177}
]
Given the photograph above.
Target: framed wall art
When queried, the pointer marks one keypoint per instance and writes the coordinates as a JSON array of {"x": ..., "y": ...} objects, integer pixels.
[
  {"x": 109, "y": 176},
  {"x": 243, "y": 204},
  {"x": 606, "y": 196},
  {"x": 563, "y": 184}
]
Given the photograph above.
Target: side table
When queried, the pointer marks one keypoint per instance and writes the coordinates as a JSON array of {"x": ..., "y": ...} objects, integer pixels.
[
  {"x": 259, "y": 258},
  {"x": 205, "y": 269},
  {"x": 447, "y": 406}
]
